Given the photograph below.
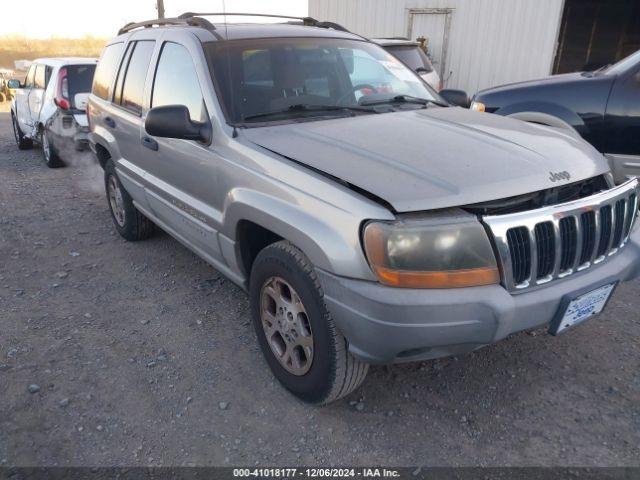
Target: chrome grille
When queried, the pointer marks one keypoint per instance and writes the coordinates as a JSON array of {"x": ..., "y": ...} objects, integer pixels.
[{"x": 539, "y": 246}]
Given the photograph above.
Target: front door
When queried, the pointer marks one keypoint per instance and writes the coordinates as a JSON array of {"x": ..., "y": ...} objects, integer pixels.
[
  {"x": 23, "y": 113},
  {"x": 36, "y": 95},
  {"x": 182, "y": 174}
]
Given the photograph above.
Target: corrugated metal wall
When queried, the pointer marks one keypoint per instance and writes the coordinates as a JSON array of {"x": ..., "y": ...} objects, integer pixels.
[{"x": 491, "y": 42}]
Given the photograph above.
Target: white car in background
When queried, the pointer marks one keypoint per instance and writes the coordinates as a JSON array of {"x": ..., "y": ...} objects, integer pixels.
[
  {"x": 50, "y": 106},
  {"x": 411, "y": 54}
]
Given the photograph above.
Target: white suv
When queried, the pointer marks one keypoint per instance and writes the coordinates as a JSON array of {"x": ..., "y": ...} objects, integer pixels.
[{"x": 50, "y": 106}]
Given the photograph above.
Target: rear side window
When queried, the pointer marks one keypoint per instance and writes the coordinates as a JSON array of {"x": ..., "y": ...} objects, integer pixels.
[
  {"x": 176, "y": 82},
  {"x": 412, "y": 56},
  {"x": 117, "y": 91},
  {"x": 136, "y": 74},
  {"x": 40, "y": 80},
  {"x": 105, "y": 70}
]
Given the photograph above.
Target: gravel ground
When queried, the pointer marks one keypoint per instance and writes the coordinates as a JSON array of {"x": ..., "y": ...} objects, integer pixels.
[{"x": 116, "y": 353}]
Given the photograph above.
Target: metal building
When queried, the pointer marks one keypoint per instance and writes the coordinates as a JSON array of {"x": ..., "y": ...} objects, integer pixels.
[{"x": 477, "y": 44}]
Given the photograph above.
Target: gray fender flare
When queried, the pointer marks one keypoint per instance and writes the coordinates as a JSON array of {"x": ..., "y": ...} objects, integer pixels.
[{"x": 326, "y": 246}]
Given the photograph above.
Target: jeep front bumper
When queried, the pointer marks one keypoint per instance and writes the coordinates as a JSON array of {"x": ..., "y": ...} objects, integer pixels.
[{"x": 387, "y": 325}]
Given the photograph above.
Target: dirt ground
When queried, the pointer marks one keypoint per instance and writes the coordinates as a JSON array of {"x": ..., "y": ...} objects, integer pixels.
[{"x": 116, "y": 353}]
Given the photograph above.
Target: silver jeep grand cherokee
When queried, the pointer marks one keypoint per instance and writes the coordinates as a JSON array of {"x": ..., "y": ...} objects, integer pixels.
[{"x": 369, "y": 221}]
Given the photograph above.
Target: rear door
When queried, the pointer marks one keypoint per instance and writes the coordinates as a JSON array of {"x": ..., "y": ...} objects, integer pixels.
[
  {"x": 128, "y": 96},
  {"x": 122, "y": 117},
  {"x": 182, "y": 181},
  {"x": 22, "y": 100}
]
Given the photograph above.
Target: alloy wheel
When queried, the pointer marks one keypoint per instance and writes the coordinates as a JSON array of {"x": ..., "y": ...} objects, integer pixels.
[
  {"x": 286, "y": 326},
  {"x": 115, "y": 200}
]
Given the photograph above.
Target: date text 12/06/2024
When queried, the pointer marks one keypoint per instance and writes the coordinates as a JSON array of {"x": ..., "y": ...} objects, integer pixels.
[{"x": 316, "y": 472}]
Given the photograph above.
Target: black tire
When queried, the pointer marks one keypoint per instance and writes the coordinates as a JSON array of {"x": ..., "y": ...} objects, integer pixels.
[
  {"x": 23, "y": 142},
  {"x": 129, "y": 222},
  {"x": 51, "y": 157},
  {"x": 333, "y": 371}
]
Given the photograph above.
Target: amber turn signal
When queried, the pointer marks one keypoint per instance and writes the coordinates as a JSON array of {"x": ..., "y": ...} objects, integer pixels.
[{"x": 448, "y": 279}]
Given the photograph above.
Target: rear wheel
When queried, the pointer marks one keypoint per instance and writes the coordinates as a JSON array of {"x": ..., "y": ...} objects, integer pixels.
[
  {"x": 51, "y": 157},
  {"x": 297, "y": 335},
  {"x": 129, "y": 222},
  {"x": 23, "y": 142}
]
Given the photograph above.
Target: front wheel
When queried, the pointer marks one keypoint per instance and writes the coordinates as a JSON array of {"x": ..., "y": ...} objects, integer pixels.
[
  {"x": 23, "y": 142},
  {"x": 297, "y": 335},
  {"x": 129, "y": 222}
]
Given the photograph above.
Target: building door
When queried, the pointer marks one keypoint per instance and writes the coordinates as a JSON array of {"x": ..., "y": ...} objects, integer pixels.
[
  {"x": 434, "y": 24},
  {"x": 594, "y": 33}
]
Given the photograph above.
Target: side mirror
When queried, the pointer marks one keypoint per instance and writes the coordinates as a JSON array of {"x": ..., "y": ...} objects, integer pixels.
[
  {"x": 456, "y": 97},
  {"x": 174, "y": 121},
  {"x": 13, "y": 84}
]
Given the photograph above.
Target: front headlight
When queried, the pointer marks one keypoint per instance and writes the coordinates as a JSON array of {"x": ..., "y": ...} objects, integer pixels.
[{"x": 447, "y": 250}]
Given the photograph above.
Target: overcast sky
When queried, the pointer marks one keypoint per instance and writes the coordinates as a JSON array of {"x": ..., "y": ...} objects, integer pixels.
[{"x": 103, "y": 18}]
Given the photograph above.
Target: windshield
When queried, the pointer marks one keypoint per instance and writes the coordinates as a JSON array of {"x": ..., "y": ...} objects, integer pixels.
[
  {"x": 412, "y": 56},
  {"x": 266, "y": 76},
  {"x": 623, "y": 64}
]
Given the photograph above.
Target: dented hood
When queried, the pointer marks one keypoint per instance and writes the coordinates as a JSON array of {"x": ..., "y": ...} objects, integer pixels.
[{"x": 436, "y": 157}]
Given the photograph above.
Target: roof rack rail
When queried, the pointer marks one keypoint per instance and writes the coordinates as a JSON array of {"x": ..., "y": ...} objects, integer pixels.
[
  {"x": 196, "y": 20},
  {"x": 307, "y": 21},
  {"x": 191, "y": 21}
]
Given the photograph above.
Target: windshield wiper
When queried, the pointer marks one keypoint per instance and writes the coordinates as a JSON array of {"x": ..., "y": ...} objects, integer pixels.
[
  {"x": 405, "y": 99},
  {"x": 301, "y": 107}
]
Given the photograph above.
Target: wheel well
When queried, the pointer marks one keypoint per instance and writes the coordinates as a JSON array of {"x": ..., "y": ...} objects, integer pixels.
[
  {"x": 102, "y": 154},
  {"x": 252, "y": 238}
]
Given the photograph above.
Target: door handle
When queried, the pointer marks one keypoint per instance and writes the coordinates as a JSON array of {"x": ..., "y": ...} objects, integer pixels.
[
  {"x": 150, "y": 143},
  {"x": 110, "y": 122}
]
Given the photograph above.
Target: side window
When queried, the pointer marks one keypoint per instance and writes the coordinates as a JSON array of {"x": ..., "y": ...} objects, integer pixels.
[
  {"x": 133, "y": 88},
  {"x": 176, "y": 82},
  {"x": 105, "y": 69},
  {"x": 28, "y": 81},
  {"x": 40, "y": 76}
]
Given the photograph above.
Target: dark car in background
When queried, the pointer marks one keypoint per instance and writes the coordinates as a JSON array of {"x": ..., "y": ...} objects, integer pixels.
[{"x": 603, "y": 106}]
